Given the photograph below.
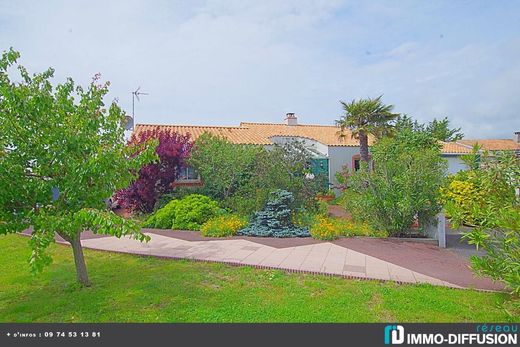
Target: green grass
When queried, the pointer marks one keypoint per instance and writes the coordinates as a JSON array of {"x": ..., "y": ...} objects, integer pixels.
[{"x": 137, "y": 289}]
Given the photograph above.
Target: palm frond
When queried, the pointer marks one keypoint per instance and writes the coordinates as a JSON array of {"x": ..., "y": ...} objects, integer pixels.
[{"x": 369, "y": 115}]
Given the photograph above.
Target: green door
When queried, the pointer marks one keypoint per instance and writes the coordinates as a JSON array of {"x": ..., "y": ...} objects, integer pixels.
[{"x": 320, "y": 167}]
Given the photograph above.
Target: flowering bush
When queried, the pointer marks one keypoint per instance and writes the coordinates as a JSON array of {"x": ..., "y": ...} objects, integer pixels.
[
  {"x": 222, "y": 226},
  {"x": 463, "y": 193},
  {"x": 330, "y": 228},
  {"x": 324, "y": 229},
  {"x": 188, "y": 213},
  {"x": 155, "y": 179}
]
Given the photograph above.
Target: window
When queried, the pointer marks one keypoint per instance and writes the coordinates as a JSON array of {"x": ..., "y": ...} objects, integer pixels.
[
  {"x": 356, "y": 162},
  {"x": 189, "y": 174}
]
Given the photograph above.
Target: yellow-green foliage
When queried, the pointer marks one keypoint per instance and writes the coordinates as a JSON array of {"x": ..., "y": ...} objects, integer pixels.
[
  {"x": 462, "y": 193},
  {"x": 222, "y": 226},
  {"x": 324, "y": 229},
  {"x": 484, "y": 197},
  {"x": 188, "y": 213},
  {"x": 330, "y": 228}
]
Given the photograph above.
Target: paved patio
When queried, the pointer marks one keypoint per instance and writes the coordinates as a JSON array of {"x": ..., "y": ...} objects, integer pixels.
[{"x": 403, "y": 262}]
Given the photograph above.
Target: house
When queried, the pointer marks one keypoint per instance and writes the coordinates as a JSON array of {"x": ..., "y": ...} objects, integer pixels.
[{"x": 331, "y": 153}]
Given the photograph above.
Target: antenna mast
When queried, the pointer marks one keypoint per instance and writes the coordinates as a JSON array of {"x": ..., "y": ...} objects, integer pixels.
[{"x": 135, "y": 95}]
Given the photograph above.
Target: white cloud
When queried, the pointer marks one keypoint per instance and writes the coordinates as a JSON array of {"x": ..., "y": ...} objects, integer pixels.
[{"x": 221, "y": 62}]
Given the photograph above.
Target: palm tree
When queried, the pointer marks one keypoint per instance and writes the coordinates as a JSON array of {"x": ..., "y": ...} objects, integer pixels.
[{"x": 366, "y": 117}]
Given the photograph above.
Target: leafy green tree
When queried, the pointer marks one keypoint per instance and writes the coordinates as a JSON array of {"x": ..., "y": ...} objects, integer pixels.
[
  {"x": 366, "y": 117},
  {"x": 286, "y": 167},
  {"x": 440, "y": 129},
  {"x": 405, "y": 122},
  {"x": 223, "y": 166},
  {"x": 62, "y": 152},
  {"x": 242, "y": 176},
  {"x": 404, "y": 184},
  {"x": 493, "y": 211}
]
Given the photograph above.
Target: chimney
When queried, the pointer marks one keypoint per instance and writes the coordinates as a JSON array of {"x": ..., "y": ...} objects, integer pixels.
[
  {"x": 517, "y": 136},
  {"x": 291, "y": 119}
]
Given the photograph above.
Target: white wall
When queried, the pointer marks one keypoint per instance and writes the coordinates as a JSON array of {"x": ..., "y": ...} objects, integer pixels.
[
  {"x": 455, "y": 164},
  {"x": 309, "y": 143},
  {"x": 342, "y": 155},
  {"x": 338, "y": 157}
]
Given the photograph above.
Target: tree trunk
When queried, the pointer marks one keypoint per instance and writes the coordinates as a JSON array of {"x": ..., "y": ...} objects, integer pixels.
[
  {"x": 79, "y": 259},
  {"x": 363, "y": 147}
]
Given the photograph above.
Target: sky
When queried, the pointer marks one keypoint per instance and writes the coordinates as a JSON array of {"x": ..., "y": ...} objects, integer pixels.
[{"x": 223, "y": 62}]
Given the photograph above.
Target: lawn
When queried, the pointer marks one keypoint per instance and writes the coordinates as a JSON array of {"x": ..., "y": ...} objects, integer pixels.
[{"x": 138, "y": 289}]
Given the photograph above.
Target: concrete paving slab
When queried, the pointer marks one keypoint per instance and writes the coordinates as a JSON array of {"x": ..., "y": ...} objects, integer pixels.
[{"x": 336, "y": 258}]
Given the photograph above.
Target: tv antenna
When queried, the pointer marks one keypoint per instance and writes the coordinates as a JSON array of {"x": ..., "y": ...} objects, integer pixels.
[{"x": 135, "y": 95}]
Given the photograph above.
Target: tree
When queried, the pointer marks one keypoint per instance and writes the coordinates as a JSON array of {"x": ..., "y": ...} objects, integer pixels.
[
  {"x": 366, "y": 117},
  {"x": 242, "y": 176},
  {"x": 156, "y": 179},
  {"x": 403, "y": 186},
  {"x": 62, "y": 153},
  {"x": 223, "y": 166},
  {"x": 287, "y": 166},
  {"x": 405, "y": 122},
  {"x": 440, "y": 129}
]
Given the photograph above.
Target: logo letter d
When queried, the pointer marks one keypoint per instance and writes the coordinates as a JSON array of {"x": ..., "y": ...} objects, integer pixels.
[{"x": 398, "y": 335}]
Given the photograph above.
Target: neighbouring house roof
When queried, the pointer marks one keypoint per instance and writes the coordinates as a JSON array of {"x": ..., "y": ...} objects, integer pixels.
[
  {"x": 261, "y": 134},
  {"x": 493, "y": 145},
  {"x": 454, "y": 148}
]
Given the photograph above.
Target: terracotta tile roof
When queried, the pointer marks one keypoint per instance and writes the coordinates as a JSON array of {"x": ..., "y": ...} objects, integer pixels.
[
  {"x": 260, "y": 134},
  {"x": 327, "y": 134},
  {"x": 454, "y": 148},
  {"x": 236, "y": 135},
  {"x": 493, "y": 145}
]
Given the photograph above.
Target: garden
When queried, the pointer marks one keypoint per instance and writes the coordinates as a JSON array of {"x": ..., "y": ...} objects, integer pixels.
[
  {"x": 248, "y": 191},
  {"x": 253, "y": 191},
  {"x": 68, "y": 155},
  {"x": 273, "y": 192}
]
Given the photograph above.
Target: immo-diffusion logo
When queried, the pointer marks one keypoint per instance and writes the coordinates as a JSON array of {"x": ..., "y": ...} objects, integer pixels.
[
  {"x": 493, "y": 334},
  {"x": 394, "y": 334}
]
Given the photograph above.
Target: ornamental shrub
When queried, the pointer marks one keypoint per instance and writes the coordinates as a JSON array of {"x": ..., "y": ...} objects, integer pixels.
[
  {"x": 163, "y": 217},
  {"x": 222, "y": 226},
  {"x": 324, "y": 229},
  {"x": 275, "y": 220},
  {"x": 155, "y": 179},
  {"x": 188, "y": 213},
  {"x": 462, "y": 190},
  {"x": 404, "y": 184},
  {"x": 330, "y": 228},
  {"x": 494, "y": 215},
  {"x": 242, "y": 176},
  {"x": 481, "y": 187}
]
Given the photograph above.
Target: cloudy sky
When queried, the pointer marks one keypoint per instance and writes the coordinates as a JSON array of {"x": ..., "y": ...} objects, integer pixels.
[{"x": 222, "y": 62}]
